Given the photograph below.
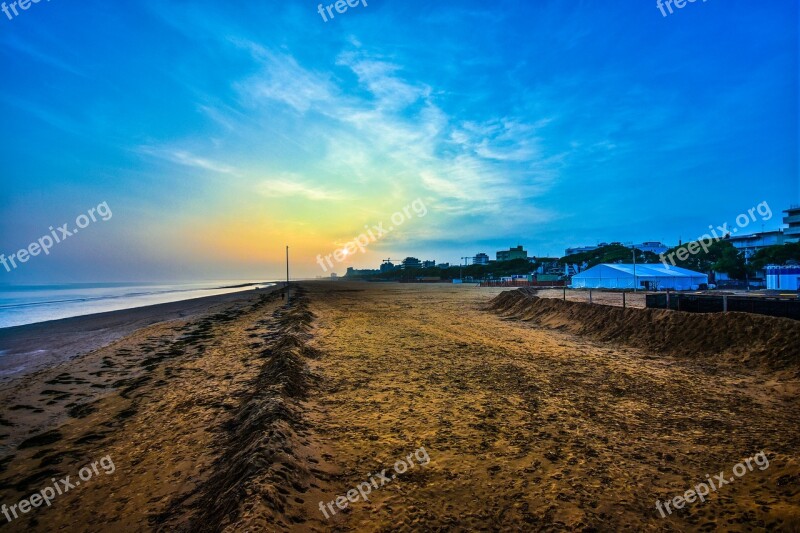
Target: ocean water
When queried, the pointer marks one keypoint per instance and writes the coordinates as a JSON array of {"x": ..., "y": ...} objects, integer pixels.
[{"x": 28, "y": 304}]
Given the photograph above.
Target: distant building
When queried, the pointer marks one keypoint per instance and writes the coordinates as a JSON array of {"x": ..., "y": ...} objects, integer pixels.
[
  {"x": 647, "y": 246},
  {"x": 652, "y": 247},
  {"x": 549, "y": 266},
  {"x": 388, "y": 266},
  {"x": 443, "y": 265},
  {"x": 355, "y": 273},
  {"x": 428, "y": 264},
  {"x": 583, "y": 249},
  {"x": 480, "y": 259},
  {"x": 334, "y": 275},
  {"x": 511, "y": 254},
  {"x": 792, "y": 219},
  {"x": 750, "y": 244},
  {"x": 570, "y": 269},
  {"x": 411, "y": 262}
]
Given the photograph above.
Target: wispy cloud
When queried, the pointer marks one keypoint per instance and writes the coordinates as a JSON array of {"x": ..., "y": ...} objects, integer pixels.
[
  {"x": 293, "y": 185},
  {"x": 24, "y": 47},
  {"x": 386, "y": 123},
  {"x": 283, "y": 80},
  {"x": 187, "y": 158}
]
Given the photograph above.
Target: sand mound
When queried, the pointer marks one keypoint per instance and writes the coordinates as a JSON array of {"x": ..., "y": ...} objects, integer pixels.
[
  {"x": 259, "y": 455},
  {"x": 742, "y": 338}
]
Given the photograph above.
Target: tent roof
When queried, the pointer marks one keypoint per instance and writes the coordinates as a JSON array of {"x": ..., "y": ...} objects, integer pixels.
[{"x": 642, "y": 271}]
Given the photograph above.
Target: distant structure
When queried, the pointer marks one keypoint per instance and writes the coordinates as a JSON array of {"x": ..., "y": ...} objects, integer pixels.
[
  {"x": 356, "y": 273},
  {"x": 480, "y": 259},
  {"x": 792, "y": 219},
  {"x": 750, "y": 244},
  {"x": 647, "y": 246},
  {"x": 411, "y": 263},
  {"x": 548, "y": 269},
  {"x": 583, "y": 249},
  {"x": 574, "y": 268},
  {"x": 784, "y": 278},
  {"x": 511, "y": 254},
  {"x": 651, "y": 246},
  {"x": 388, "y": 266},
  {"x": 443, "y": 265},
  {"x": 642, "y": 276},
  {"x": 334, "y": 275},
  {"x": 429, "y": 264}
]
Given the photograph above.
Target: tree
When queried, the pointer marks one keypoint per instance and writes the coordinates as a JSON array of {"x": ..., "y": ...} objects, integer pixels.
[
  {"x": 721, "y": 256},
  {"x": 612, "y": 253},
  {"x": 776, "y": 255}
]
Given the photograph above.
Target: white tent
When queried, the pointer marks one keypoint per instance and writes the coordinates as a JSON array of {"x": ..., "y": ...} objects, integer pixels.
[{"x": 658, "y": 276}]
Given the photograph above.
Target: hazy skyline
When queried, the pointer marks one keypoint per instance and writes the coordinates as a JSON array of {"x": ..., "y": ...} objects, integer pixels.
[{"x": 218, "y": 133}]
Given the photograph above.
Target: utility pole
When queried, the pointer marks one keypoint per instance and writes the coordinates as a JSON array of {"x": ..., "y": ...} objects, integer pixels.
[
  {"x": 287, "y": 274},
  {"x": 634, "y": 270},
  {"x": 746, "y": 273}
]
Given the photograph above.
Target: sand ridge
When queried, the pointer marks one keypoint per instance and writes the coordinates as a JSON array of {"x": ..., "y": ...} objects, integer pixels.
[{"x": 741, "y": 339}]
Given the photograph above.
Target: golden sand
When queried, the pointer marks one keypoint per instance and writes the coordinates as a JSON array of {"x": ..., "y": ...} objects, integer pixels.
[{"x": 245, "y": 419}]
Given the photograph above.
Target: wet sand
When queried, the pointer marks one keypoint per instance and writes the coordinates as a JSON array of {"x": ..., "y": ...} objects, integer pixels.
[
  {"x": 31, "y": 347},
  {"x": 246, "y": 418}
]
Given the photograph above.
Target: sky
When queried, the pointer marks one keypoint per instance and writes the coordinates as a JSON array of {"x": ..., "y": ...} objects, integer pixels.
[{"x": 217, "y": 133}]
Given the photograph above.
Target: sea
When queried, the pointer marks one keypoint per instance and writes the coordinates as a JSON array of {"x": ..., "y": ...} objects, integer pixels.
[{"x": 29, "y": 304}]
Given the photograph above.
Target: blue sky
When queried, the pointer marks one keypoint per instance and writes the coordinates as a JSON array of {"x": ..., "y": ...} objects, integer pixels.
[{"x": 218, "y": 132}]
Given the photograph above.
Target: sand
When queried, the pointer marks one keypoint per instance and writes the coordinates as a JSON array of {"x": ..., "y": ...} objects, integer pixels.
[
  {"x": 32, "y": 347},
  {"x": 245, "y": 418}
]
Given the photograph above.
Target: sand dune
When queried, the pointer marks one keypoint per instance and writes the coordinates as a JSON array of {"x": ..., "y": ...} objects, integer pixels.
[{"x": 738, "y": 338}]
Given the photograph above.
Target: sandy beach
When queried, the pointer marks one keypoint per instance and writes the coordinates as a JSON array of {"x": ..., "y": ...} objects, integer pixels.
[
  {"x": 27, "y": 348},
  {"x": 248, "y": 413}
]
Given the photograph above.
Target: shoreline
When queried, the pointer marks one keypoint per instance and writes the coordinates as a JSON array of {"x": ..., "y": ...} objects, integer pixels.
[
  {"x": 22, "y": 305},
  {"x": 31, "y": 347}
]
